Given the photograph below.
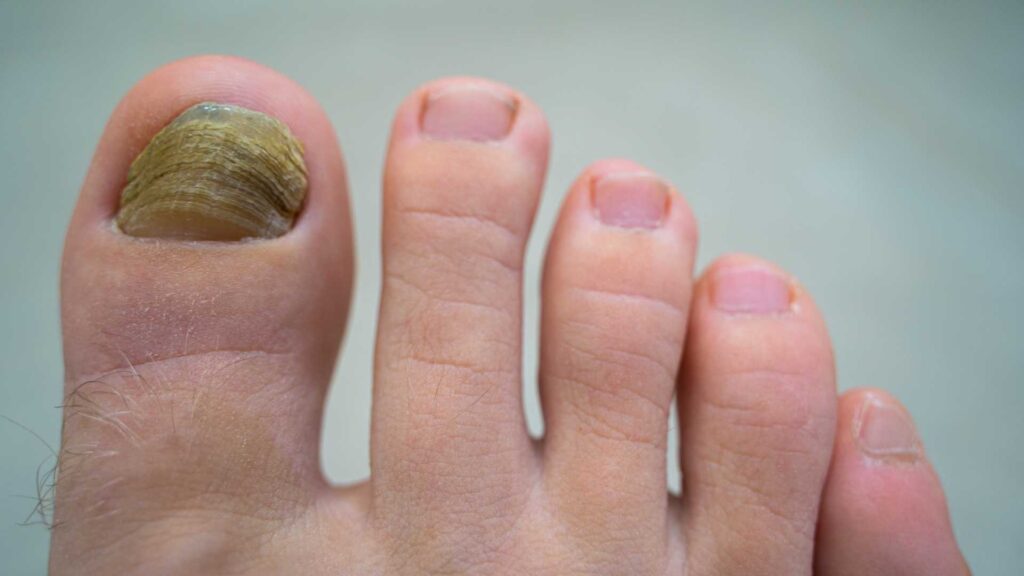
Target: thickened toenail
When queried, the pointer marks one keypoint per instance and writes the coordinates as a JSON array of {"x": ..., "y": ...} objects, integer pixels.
[
  {"x": 468, "y": 112},
  {"x": 630, "y": 200},
  {"x": 750, "y": 290},
  {"x": 216, "y": 172},
  {"x": 884, "y": 431}
]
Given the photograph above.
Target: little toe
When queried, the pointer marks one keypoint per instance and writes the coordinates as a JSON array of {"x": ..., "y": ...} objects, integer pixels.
[
  {"x": 204, "y": 291},
  {"x": 616, "y": 295},
  {"x": 757, "y": 409},
  {"x": 883, "y": 510}
]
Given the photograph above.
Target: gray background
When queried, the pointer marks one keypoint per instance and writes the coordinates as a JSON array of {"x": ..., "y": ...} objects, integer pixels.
[{"x": 875, "y": 150}]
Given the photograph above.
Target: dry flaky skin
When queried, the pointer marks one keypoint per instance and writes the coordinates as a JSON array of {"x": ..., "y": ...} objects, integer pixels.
[{"x": 216, "y": 172}]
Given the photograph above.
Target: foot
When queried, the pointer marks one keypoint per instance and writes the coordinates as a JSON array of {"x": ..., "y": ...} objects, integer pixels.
[{"x": 196, "y": 369}]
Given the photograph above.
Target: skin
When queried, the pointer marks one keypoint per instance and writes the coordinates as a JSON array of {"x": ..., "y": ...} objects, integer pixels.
[{"x": 196, "y": 373}]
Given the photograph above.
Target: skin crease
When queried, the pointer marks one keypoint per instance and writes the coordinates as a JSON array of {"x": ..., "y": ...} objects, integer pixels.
[{"x": 196, "y": 373}]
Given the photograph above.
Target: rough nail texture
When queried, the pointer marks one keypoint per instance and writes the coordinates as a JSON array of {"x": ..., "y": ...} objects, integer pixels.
[{"x": 216, "y": 172}]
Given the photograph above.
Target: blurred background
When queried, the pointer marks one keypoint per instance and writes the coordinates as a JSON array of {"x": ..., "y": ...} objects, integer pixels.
[{"x": 874, "y": 149}]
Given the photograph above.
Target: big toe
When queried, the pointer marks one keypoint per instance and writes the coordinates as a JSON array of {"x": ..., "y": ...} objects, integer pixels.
[{"x": 205, "y": 284}]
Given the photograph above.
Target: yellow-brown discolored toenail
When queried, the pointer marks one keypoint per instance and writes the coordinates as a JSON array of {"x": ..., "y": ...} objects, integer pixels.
[{"x": 217, "y": 172}]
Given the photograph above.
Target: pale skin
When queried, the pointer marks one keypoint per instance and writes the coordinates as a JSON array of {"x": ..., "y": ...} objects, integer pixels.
[{"x": 196, "y": 374}]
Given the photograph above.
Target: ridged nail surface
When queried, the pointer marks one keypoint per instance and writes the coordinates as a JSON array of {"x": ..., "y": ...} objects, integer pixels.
[{"x": 217, "y": 172}]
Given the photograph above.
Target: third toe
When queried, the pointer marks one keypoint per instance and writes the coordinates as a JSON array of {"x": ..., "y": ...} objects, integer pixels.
[{"x": 616, "y": 293}]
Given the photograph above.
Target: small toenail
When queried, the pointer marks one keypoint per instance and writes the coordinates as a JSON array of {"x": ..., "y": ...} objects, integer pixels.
[
  {"x": 630, "y": 200},
  {"x": 750, "y": 290},
  {"x": 884, "y": 431},
  {"x": 468, "y": 112},
  {"x": 216, "y": 172}
]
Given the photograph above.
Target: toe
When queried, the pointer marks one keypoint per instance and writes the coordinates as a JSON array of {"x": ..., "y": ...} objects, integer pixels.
[
  {"x": 757, "y": 410},
  {"x": 463, "y": 176},
  {"x": 883, "y": 510},
  {"x": 195, "y": 370},
  {"x": 615, "y": 297}
]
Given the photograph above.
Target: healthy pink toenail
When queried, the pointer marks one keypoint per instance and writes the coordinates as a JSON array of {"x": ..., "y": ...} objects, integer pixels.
[
  {"x": 630, "y": 200},
  {"x": 468, "y": 112},
  {"x": 751, "y": 290},
  {"x": 884, "y": 431}
]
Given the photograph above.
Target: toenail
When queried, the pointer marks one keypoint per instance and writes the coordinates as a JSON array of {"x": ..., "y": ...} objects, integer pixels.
[
  {"x": 468, "y": 112},
  {"x": 630, "y": 200},
  {"x": 883, "y": 431},
  {"x": 216, "y": 172},
  {"x": 750, "y": 290}
]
